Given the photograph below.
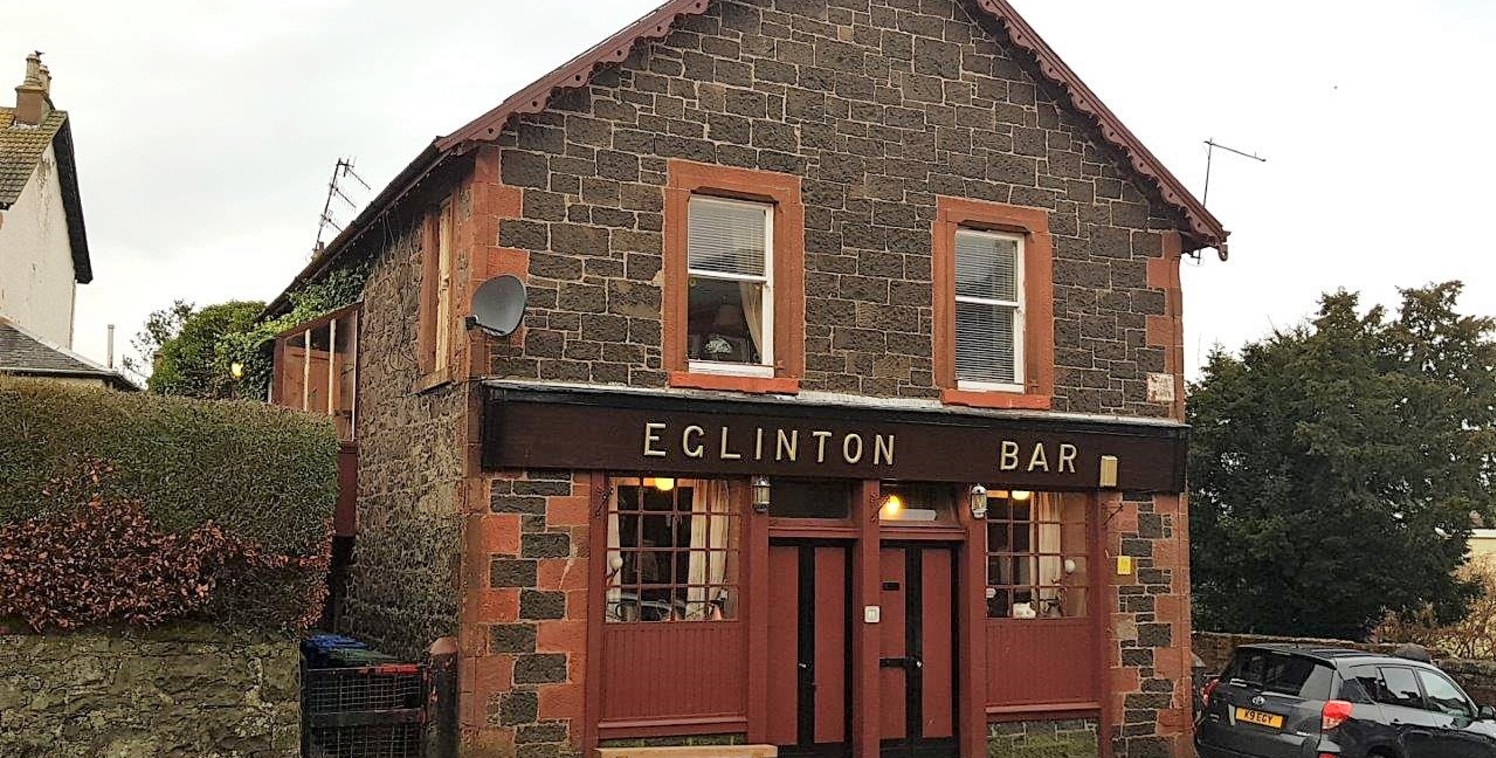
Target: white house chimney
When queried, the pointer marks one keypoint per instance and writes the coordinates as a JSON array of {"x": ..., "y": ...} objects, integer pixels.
[{"x": 34, "y": 95}]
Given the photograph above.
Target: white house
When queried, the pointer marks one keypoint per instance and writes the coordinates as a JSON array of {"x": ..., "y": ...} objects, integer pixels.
[{"x": 43, "y": 247}]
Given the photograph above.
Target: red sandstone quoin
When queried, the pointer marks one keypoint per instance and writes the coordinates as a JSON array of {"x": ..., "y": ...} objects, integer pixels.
[{"x": 846, "y": 414}]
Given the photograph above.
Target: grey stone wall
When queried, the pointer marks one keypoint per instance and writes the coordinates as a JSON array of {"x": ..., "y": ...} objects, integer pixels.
[
  {"x": 402, "y": 591},
  {"x": 881, "y": 106},
  {"x": 1075, "y": 738},
  {"x": 177, "y": 692}
]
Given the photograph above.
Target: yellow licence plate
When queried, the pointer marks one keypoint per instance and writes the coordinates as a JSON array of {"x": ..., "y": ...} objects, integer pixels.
[{"x": 1258, "y": 717}]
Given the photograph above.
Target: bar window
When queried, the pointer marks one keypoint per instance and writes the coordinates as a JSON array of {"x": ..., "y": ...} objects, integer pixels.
[
  {"x": 989, "y": 310},
  {"x": 729, "y": 252},
  {"x": 673, "y": 551},
  {"x": 1038, "y": 562}
]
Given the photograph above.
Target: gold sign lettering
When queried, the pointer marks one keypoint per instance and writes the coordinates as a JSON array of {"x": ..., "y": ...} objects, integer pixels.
[
  {"x": 728, "y": 455},
  {"x": 883, "y": 450},
  {"x": 696, "y": 450},
  {"x": 789, "y": 446},
  {"x": 848, "y": 448},
  {"x": 651, "y": 439},
  {"x": 1039, "y": 461},
  {"x": 821, "y": 438},
  {"x": 1009, "y": 459},
  {"x": 1067, "y": 458}
]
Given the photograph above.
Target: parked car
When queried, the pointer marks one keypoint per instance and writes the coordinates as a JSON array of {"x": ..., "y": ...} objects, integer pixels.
[{"x": 1284, "y": 701}]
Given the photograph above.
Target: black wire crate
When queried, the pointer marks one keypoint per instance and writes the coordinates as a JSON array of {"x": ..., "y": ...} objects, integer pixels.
[{"x": 374, "y": 711}]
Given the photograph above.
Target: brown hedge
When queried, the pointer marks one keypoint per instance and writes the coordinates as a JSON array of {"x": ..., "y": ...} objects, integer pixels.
[{"x": 235, "y": 496}]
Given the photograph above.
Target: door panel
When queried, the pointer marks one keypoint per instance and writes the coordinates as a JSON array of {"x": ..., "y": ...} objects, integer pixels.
[
  {"x": 938, "y": 685},
  {"x": 809, "y": 650},
  {"x": 784, "y": 653},
  {"x": 893, "y": 680},
  {"x": 918, "y": 652},
  {"x": 831, "y": 645}
]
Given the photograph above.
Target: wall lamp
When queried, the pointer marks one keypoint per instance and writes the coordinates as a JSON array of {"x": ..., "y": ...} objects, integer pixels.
[
  {"x": 761, "y": 490},
  {"x": 978, "y": 502}
]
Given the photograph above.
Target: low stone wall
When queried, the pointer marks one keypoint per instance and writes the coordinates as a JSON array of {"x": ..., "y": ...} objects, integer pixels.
[
  {"x": 1477, "y": 677},
  {"x": 178, "y": 692}
]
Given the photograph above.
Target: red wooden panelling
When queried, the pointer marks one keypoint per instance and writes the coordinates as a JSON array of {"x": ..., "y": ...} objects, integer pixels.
[
  {"x": 673, "y": 670},
  {"x": 345, "y": 516},
  {"x": 831, "y": 645},
  {"x": 893, "y": 686},
  {"x": 784, "y": 653},
  {"x": 1040, "y": 662},
  {"x": 939, "y": 638}
]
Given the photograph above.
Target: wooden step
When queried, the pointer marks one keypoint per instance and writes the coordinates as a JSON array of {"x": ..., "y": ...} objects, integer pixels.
[{"x": 697, "y": 751}]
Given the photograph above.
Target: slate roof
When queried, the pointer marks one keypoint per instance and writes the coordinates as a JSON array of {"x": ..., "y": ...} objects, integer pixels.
[
  {"x": 21, "y": 149},
  {"x": 25, "y": 354}
]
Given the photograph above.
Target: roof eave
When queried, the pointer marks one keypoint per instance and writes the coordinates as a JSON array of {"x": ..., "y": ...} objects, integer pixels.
[
  {"x": 407, "y": 180},
  {"x": 72, "y": 202},
  {"x": 1205, "y": 230}
]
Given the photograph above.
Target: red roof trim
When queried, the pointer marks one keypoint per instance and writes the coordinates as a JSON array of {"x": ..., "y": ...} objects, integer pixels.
[
  {"x": 574, "y": 74},
  {"x": 1205, "y": 229}
]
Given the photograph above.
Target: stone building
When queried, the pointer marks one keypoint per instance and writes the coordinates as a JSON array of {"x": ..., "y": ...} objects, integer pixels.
[{"x": 845, "y": 415}]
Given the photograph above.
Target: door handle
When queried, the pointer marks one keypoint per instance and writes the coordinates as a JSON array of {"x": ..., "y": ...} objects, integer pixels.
[{"x": 803, "y": 666}]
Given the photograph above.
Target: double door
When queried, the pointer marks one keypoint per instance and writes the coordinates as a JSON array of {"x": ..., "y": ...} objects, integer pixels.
[{"x": 812, "y": 623}]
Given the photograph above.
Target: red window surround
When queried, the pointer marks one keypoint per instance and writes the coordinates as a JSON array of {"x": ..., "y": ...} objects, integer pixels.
[
  {"x": 783, "y": 191},
  {"x": 1038, "y": 339}
]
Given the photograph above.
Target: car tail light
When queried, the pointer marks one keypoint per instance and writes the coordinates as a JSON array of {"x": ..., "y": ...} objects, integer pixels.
[
  {"x": 1208, "y": 690},
  {"x": 1335, "y": 713}
]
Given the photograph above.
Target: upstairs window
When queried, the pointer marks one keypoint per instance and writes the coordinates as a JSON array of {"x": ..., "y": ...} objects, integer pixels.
[
  {"x": 733, "y": 300},
  {"x": 994, "y": 305},
  {"x": 730, "y": 322},
  {"x": 989, "y": 311},
  {"x": 437, "y": 267}
]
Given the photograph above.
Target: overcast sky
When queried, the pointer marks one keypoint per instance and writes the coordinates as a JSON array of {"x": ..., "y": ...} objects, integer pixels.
[{"x": 206, "y": 132}]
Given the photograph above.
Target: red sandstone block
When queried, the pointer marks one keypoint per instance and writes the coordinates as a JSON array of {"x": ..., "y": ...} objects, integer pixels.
[
  {"x": 567, "y": 511},
  {"x": 562, "y": 637},
  {"x": 576, "y": 605},
  {"x": 493, "y": 606},
  {"x": 1169, "y": 607},
  {"x": 562, "y": 574},
  {"x": 493, "y": 533},
  {"x": 506, "y": 202},
  {"x": 1124, "y": 680},
  {"x": 492, "y": 674},
  {"x": 562, "y": 702}
]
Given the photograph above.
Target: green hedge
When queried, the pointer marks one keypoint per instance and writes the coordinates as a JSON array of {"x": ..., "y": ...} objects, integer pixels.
[{"x": 262, "y": 474}]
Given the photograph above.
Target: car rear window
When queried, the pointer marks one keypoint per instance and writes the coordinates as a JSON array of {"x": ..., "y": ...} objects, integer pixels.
[{"x": 1282, "y": 674}]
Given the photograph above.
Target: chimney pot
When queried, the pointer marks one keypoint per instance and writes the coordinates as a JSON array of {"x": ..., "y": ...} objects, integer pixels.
[{"x": 34, "y": 96}]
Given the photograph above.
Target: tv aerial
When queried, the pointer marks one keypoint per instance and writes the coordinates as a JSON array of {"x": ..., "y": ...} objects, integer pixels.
[{"x": 498, "y": 306}]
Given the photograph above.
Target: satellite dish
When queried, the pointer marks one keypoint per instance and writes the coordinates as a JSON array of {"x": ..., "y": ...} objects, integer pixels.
[{"x": 498, "y": 306}]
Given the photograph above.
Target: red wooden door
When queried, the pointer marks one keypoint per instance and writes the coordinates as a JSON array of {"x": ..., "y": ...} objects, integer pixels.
[
  {"x": 809, "y": 649},
  {"x": 917, "y": 652}
]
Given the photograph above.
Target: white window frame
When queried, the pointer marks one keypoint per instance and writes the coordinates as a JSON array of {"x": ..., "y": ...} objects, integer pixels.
[
  {"x": 766, "y": 351},
  {"x": 1019, "y": 316}
]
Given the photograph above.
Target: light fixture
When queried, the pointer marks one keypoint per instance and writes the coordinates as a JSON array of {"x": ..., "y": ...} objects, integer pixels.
[
  {"x": 236, "y": 370},
  {"x": 978, "y": 502},
  {"x": 893, "y": 505},
  {"x": 661, "y": 484},
  {"x": 1021, "y": 495},
  {"x": 761, "y": 490},
  {"x": 1069, "y": 566}
]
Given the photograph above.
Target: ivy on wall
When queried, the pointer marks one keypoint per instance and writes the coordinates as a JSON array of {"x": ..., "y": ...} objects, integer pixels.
[{"x": 254, "y": 348}]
